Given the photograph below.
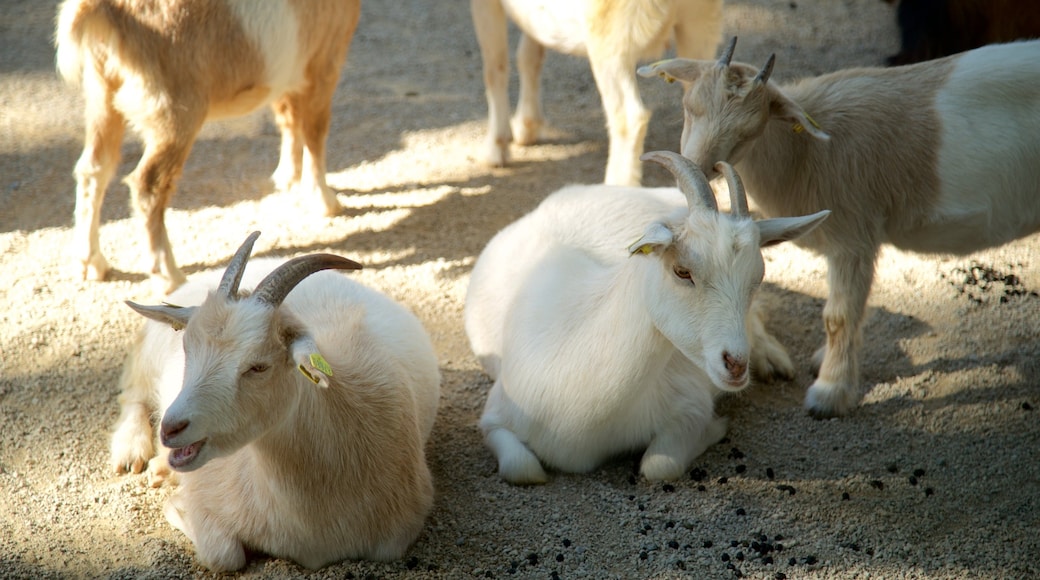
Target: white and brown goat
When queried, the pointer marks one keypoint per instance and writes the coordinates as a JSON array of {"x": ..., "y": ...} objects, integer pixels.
[
  {"x": 166, "y": 67},
  {"x": 941, "y": 156}
]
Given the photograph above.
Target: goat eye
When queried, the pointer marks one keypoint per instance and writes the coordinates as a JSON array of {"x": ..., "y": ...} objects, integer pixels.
[
  {"x": 258, "y": 368},
  {"x": 682, "y": 273}
]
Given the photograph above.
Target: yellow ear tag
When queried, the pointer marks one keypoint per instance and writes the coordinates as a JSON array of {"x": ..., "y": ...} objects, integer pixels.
[
  {"x": 321, "y": 364},
  {"x": 318, "y": 362},
  {"x": 645, "y": 249},
  {"x": 310, "y": 377},
  {"x": 798, "y": 128}
]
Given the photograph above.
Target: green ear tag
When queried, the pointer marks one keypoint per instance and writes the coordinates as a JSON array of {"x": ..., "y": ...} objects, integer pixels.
[{"x": 321, "y": 364}]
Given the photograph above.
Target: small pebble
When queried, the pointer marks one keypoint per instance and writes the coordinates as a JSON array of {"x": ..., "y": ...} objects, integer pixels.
[
  {"x": 912, "y": 480},
  {"x": 770, "y": 473},
  {"x": 559, "y": 557},
  {"x": 566, "y": 543},
  {"x": 741, "y": 512},
  {"x": 707, "y": 544}
]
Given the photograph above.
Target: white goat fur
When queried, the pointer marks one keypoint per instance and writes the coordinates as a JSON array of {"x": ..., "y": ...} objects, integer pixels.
[
  {"x": 614, "y": 35},
  {"x": 596, "y": 353},
  {"x": 941, "y": 156},
  {"x": 167, "y": 66},
  {"x": 298, "y": 471}
]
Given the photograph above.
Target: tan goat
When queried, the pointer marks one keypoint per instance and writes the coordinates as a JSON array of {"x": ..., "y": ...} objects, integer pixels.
[{"x": 166, "y": 67}]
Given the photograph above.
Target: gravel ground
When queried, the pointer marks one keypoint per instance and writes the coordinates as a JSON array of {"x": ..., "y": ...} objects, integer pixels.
[{"x": 934, "y": 476}]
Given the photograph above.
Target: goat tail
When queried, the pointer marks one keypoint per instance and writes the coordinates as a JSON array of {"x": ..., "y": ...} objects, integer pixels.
[{"x": 83, "y": 26}]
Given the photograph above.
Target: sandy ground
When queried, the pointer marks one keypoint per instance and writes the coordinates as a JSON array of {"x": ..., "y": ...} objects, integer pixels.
[{"x": 934, "y": 476}]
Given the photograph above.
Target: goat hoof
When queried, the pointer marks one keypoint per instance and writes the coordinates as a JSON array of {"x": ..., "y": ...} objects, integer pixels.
[
  {"x": 95, "y": 268},
  {"x": 825, "y": 400}
]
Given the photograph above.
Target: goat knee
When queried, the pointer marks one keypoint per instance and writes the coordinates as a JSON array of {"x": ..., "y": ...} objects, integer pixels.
[{"x": 516, "y": 463}]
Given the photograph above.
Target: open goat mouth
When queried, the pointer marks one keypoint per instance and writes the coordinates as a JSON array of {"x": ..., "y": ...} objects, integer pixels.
[{"x": 181, "y": 457}]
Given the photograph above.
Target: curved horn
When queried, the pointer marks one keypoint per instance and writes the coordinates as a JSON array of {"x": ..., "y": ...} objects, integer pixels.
[
  {"x": 727, "y": 54},
  {"x": 233, "y": 274},
  {"x": 688, "y": 177},
  {"x": 273, "y": 289},
  {"x": 763, "y": 75},
  {"x": 737, "y": 196}
]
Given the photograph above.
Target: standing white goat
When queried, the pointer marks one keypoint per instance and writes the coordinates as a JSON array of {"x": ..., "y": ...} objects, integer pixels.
[
  {"x": 614, "y": 35},
  {"x": 166, "y": 66},
  {"x": 610, "y": 317},
  {"x": 296, "y": 416},
  {"x": 942, "y": 156}
]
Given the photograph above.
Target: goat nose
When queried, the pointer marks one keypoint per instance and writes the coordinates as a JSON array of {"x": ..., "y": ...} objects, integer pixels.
[
  {"x": 736, "y": 366},
  {"x": 169, "y": 430}
]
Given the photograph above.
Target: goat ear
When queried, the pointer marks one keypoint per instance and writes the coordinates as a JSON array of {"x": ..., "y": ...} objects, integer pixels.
[
  {"x": 176, "y": 316},
  {"x": 657, "y": 235},
  {"x": 309, "y": 361},
  {"x": 777, "y": 230},
  {"x": 675, "y": 69},
  {"x": 782, "y": 108}
]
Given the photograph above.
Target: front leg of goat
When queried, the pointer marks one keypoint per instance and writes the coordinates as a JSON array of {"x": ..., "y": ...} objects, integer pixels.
[
  {"x": 769, "y": 358},
  {"x": 516, "y": 462},
  {"x": 837, "y": 389},
  {"x": 672, "y": 451},
  {"x": 132, "y": 442},
  {"x": 216, "y": 548},
  {"x": 489, "y": 21}
]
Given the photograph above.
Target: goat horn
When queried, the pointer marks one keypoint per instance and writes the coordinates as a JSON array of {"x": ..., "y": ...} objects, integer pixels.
[
  {"x": 688, "y": 177},
  {"x": 727, "y": 54},
  {"x": 273, "y": 289},
  {"x": 737, "y": 196},
  {"x": 763, "y": 75},
  {"x": 233, "y": 274}
]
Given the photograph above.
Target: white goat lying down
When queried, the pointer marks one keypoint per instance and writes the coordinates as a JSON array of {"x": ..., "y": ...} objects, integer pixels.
[
  {"x": 296, "y": 416},
  {"x": 610, "y": 318},
  {"x": 614, "y": 35},
  {"x": 941, "y": 156},
  {"x": 166, "y": 66}
]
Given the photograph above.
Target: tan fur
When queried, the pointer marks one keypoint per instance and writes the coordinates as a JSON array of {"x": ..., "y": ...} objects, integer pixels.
[
  {"x": 165, "y": 67},
  {"x": 294, "y": 470}
]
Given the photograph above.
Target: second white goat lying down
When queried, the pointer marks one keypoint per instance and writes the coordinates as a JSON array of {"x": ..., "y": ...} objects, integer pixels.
[
  {"x": 941, "y": 156},
  {"x": 296, "y": 416},
  {"x": 611, "y": 317},
  {"x": 614, "y": 35}
]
